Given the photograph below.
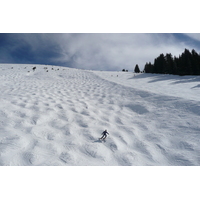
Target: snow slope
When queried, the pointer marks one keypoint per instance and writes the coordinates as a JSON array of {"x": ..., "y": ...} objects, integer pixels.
[{"x": 56, "y": 117}]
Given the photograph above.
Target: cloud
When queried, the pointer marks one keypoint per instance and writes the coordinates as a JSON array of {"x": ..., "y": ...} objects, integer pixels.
[
  {"x": 117, "y": 51},
  {"x": 95, "y": 51},
  {"x": 111, "y": 51}
]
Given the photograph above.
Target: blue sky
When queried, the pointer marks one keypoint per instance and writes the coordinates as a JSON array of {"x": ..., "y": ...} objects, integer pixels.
[{"x": 103, "y": 51}]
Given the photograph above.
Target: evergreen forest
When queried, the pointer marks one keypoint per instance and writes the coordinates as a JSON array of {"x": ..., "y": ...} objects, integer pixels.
[{"x": 188, "y": 63}]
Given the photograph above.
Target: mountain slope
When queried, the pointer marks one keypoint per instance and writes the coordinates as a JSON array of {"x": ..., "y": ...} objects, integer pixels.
[{"x": 56, "y": 118}]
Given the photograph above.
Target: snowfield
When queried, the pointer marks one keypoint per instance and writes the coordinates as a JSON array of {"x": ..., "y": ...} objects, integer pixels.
[{"x": 55, "y": 115}]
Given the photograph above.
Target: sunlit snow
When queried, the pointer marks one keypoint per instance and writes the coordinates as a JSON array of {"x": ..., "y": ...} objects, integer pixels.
[{"x": 55, "y": 116}]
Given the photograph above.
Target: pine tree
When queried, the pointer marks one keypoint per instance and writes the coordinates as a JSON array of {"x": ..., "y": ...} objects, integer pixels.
[
  {"x": 169, "y": 66},
  {"x": 176, "y": 66},
  {"x": 137, "y": 69},
  {"x": 160, "y": 64},
  {"x": 195, "y": 62},
  {"x": 148, "y": 68}
]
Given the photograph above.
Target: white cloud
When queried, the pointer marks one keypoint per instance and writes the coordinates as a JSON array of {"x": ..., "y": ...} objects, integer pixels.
[{"x": 116, "y": 51}]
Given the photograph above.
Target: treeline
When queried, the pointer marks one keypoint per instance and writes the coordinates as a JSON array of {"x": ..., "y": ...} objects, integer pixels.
[{"x": 188, "y": 63}]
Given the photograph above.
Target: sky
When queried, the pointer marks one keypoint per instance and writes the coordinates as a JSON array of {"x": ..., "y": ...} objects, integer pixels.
[
  {"x": 95, "y": 51},
  {"x": 96, "y": 35}
]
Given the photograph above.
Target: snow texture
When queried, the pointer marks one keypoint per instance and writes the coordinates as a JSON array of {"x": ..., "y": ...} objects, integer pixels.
[{"x": 55, "y": 115}]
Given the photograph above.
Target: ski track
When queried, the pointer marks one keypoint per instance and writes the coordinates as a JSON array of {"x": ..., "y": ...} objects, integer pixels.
[{"x": 56, "y": 118}]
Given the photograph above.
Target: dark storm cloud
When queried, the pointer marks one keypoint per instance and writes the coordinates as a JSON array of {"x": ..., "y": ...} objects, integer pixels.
[{"x": 92, "y": 51}]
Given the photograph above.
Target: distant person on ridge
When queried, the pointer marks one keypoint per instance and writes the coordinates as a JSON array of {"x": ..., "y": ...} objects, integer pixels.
[{"x": 104, "y": 135}]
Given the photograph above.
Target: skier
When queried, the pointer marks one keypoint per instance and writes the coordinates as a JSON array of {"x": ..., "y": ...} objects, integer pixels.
[{"x": 104, "y": 135}]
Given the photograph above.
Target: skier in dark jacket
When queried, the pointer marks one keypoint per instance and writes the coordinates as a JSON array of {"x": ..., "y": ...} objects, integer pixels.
[{"x": 104, "y": 135}]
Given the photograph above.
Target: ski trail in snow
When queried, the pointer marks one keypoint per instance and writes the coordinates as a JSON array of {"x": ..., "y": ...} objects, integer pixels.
[{"x": 56, "y": 117}]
